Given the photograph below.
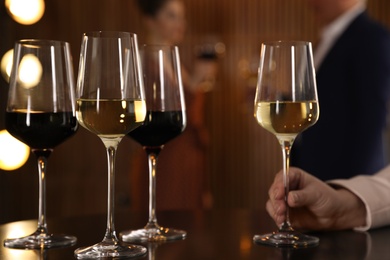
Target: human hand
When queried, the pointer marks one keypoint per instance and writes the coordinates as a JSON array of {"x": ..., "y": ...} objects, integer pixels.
[{"x": 314, "y": 204}]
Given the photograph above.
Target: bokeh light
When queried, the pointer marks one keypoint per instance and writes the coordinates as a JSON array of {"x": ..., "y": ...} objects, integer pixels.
[
  {"x": 25, "y": 11},
  {"x": 30, "y": 71},
  {"x": 13, "y": 153},
  {"x": 6, "y": 64},
  {"x": 140, "y": 110}
]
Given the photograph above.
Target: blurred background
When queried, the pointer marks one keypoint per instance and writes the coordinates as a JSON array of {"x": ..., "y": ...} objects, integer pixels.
[{"x": 242, "y": 157}]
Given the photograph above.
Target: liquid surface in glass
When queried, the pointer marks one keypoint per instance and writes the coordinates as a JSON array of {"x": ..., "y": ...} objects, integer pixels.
[
  {"x": 110, "y": 118},
  {"x": 286, "y": 117},
  {"x": 159, "y": 127},
  {"x": 41, "y": 130}
]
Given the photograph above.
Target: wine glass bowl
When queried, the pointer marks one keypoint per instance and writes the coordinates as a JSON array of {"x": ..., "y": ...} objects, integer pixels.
[
  {"x": 165, "y": 120},
  {"x": 286, "y": 104},
  {"x": 110, "y": 103},
  {"x": 41, "y": 113}
]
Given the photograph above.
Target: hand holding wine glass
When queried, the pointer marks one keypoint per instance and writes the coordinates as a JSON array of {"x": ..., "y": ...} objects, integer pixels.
[
  {"x": 286, "y": 104},
  {"x": 110, "y": 103},
  {"x": 165, "y": 119},
  {"x": 41, "y": 113}
]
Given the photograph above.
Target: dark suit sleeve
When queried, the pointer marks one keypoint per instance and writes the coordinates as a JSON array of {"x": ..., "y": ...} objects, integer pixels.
[{"x": 371, "y": 83}]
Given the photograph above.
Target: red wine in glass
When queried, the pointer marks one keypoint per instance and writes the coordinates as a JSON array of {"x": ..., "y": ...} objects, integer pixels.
[
  {"x": 158, "y": 128},
  {"x": 41, "y": 130},
  {"x": 41, "y": 113},
  {"x": 165, "y": 119}
]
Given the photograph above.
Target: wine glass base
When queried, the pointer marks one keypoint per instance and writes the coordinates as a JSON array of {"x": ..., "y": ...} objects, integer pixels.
[
  {"x": 287, "y": 239},
  {"x": 39, "y": 241},
  {"x": 117, "y": 250},
  {"x": 153, "y": 235}
]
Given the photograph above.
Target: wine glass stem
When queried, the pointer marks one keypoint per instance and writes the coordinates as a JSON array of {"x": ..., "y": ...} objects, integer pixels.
[
  {"x": 152, "y": 161},
  {"x": 286, "y": 149},
  {"x": 152, "y": 251},
  {"x": 110, "y": 231},
  {"x": 42, "y": 165}
]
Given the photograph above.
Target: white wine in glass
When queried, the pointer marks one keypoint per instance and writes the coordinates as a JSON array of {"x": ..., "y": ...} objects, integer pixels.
[
  {"x": 286, "y": 104},
  {"x": 110, "y": 103}
]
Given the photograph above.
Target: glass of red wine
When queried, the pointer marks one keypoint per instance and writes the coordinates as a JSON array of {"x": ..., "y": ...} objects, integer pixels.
[
  {"x": 165, "y": 120},
  {"x": 41, "y": 113}
]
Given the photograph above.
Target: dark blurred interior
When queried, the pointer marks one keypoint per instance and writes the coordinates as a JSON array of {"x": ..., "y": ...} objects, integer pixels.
[{"x": 242, "y": 157}]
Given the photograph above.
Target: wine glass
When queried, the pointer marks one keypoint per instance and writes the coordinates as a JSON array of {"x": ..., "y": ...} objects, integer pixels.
[
  {"x": 286, "y": 104},
  {"x": 110, "y": 103},
  {"x": 41, "y": 113},
  {"x": 165, "y": 120}
]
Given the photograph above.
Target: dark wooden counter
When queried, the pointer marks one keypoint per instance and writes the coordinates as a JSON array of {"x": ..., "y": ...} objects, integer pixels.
[{"x": 218, "y": 234}]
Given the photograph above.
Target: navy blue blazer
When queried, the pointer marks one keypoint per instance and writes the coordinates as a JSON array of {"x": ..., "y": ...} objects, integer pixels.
[{"x": 353, "y": 85}]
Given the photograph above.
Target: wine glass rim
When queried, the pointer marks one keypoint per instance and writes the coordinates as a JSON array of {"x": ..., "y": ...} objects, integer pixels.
[
  {"x": 157, "y": 47},
  {"x": 287, "y": 42},
  {"x": 41, "y": 42},
  {"x": 109, "y": 34}
]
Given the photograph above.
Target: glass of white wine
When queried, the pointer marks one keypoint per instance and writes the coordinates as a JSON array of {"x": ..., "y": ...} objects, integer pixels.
[
  {"x": 110, "y": 104},
  {"x": 286, "y": 104}
]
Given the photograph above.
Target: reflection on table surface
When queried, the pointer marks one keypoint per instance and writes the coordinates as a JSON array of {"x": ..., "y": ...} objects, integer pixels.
[{"x": 216, "y": 234}]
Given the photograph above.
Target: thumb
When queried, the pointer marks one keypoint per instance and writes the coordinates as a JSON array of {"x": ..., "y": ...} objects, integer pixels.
[{"x": 301, "y": 198}]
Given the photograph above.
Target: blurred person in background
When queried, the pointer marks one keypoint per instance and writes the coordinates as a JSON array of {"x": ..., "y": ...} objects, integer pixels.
[
  {"x": 352, "y": 61},
  {"x": 181, "y": 170}
]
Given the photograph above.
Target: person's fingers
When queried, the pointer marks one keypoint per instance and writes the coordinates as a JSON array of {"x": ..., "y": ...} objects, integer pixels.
[
  {"x": 303, "y": 198},
  {"x": 298, "y": 196},
  {"x": 269, "y": 206},
  {"x": 296, "y": 176},
  {"x": 306, "y": 191},
  {"x": 276, "y": 191},
  {"x": 276, "y": 211}
]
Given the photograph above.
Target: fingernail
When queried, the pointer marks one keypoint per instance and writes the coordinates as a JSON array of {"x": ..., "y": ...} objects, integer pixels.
[{"x": 294, "y": 197}]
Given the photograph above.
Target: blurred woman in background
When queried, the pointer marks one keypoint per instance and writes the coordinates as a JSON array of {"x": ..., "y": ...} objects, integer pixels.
[{"x": 181, "y": 168}]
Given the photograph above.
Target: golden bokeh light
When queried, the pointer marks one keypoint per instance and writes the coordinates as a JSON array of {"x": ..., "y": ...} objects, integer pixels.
[
  {"x": 140, "y": 110},
  {"x": 6, "y": 64},
  {"x": 13, "y": 153},
  {"x": 30, "y": 71},
  {"x": 25, "y": 11}
]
